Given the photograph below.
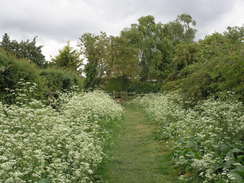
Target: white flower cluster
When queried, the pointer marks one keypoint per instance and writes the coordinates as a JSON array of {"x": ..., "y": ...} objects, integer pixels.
[
  {"x": 39, "y": 144},
  {"x": 208, "y": 139}
]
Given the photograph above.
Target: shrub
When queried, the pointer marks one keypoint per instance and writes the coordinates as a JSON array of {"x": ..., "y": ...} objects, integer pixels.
[
  {"x": 214, "y": 67},
  {"x": 207, "y": 140},
  {"x": 60, "y": 80},
  {"x": 39, "y": 144},
  {"x": 144, "y": 87},
  {"x": 221, "y": 74},
  {"x": 117, "y": 84},
  {"x": 12, "y": 72}
]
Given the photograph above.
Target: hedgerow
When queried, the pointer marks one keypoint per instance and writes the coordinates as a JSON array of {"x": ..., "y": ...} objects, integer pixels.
[{"x": 49, "y": 81}]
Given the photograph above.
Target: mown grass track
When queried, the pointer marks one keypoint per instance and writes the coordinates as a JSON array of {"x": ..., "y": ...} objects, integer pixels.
[{"x": 137, "y": 156}]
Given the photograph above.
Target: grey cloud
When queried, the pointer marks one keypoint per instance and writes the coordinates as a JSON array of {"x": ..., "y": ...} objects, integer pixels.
[{"x": 61, "y": 20}]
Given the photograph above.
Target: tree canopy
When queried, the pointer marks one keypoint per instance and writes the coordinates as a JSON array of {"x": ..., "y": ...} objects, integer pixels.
[
  {"x": 68, "y": 59},
  {"x": 24, "y": 49}
]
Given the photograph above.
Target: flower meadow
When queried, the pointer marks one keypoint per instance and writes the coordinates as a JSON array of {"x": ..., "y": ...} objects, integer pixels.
[
  {"x": 41, "y": 144},
  {"x": 207, "y": 140}
]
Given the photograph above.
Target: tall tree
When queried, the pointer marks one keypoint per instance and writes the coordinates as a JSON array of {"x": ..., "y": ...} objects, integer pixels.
[
  {"x": 188, "y": 26},
  {"x": 6, "y": 42},
  {"x": 95, "y": 48},
  {"x": 147, "y": 46},
  {"x": 154, "y": 47},
  {"x": 69, "y": 59},
  {"x": 124, "y": 59},
  {"x": 146, "y": 27},
  {"x": 181, "y": 30}
]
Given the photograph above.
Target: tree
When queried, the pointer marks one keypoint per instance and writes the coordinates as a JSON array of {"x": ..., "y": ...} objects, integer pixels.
[
  {"x": 95, "y": 48},
  {"x": 143, "y": 51},
  {"x": 68, "y": 59},
  {"x": 235, "y": 33},
  {"x": 212, "y": 66},
  {"x": 188, "y": 26},
  {"x": 181, "y": 30},
  {"x": 6, "y": 42},
  {"x": 154, "y": 47},
  {"x": 185, "y": 54},
  {"x": 146, "y": 27},
  {"x": 124, "y": 60},
  {"x": 143, "y": 37},
  {"x": 24, "y": 49}
]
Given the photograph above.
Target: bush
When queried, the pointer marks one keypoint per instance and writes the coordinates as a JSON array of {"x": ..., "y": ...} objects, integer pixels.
[
  {"x": 116, "y": 84},
  {"x": 12, "y": 71},
  {"x": 60, "y": 80},
  {"x": 144, "y": 87},
  {"x": 39, "y": 144},
  {"x": 219, "y": 76},
  {"x": 215, "y": 67},
  {"x": 207, "y": 140},
  {"x": 124, "y": 84}
]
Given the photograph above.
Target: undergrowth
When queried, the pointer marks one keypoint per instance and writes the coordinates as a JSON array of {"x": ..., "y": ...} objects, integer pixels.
[
  {"x": 39, "y": 143},
  {"x": 208, "y": 139}
]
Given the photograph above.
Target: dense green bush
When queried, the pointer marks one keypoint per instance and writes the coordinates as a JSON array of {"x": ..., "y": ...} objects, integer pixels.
[
  {"x": 60, "y": 80},
  {"x": 14, "y": 72},
  {"x": 215, "y": 77},
  {"x": 144, "y": 87},
  {"x": 117, "y": 84},
  {"x": 214, "y": 67},
  {"x": 126, "y": 85}
]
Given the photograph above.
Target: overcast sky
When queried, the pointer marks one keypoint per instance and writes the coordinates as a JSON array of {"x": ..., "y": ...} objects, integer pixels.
[{"x": 57, "y": 21}]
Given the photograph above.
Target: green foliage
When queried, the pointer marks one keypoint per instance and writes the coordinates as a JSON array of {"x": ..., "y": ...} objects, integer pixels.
[
  {"x": 154, "y": 50},
  {"x": 222, "y": 75},
  {"x": 68, "y": 59},
  {"x": 124, "y": 58},
  {"x": 117, "y": 84},
  {"x": 185, "y": 54},
  {"x": 39, "y": 144},
  {"x": 187, "y": 23},
  {"x": 57, "y": 80},
  {"x": 6, "y": 42},
  {"x": 25, "y": 49},
  {"x": 12, "y": 72},
  {"x": 144, "y": 87},
  {"x": 180, "y": 30},
  {"x": 207, "y": 139},
  {"x": 212, "y": 66},
  {"x": 127, "y": 85},
  {"x": 156, "y": 41},
  {"x": 96, "y": 49},
  {"x": 91, "y": 80},
  {"x": 143, "y": 51}
]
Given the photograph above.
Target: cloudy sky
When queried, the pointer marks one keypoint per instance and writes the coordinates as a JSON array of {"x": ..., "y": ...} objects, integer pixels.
[{"x": 57, "y": 21}]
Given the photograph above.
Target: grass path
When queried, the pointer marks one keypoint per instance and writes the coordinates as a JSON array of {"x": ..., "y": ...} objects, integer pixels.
[{"x": 137, "y": 157}]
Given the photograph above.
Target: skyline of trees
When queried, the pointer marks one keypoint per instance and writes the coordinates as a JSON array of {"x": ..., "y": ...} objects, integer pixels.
[{"x": 150, "y": 51}]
